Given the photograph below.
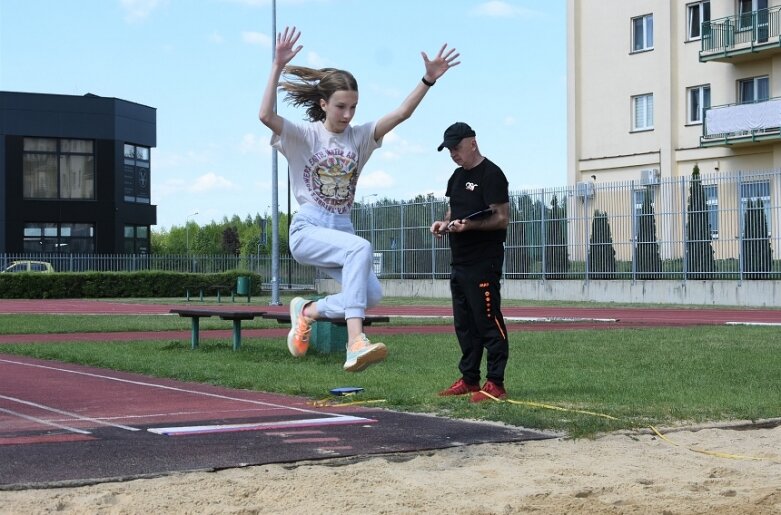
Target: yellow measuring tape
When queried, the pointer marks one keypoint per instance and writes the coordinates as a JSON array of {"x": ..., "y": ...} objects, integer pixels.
[
  {"x": 656, "y": 431},
  {"x": 715, "y": 453},
  {"x": 331, "y": 402}
]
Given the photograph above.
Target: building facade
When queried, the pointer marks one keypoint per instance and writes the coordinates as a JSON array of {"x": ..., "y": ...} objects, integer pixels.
[
  {"x": 75, "y": 174},
  {"x": 644, "y": 76},
  {"x": 657, "y": 87}
]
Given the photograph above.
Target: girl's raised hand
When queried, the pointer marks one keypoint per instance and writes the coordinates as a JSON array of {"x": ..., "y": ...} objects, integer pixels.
[
  {"x": 286, "y": 50},
  {"x": 445, "y": 59}
]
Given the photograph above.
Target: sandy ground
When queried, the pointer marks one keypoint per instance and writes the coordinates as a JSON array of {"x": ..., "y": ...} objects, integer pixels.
[{"x": 617, "y": 473}]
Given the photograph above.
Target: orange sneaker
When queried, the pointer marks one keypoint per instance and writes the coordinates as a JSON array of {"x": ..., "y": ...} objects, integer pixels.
[
  {"x": 361, "y": 353},
  {"x": 301, "y": 328},
  {"x": 460, "y": 387},
  {"x": 489, "y": 392}
]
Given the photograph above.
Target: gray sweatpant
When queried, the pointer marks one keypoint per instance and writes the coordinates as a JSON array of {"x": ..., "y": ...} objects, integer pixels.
[{"x": 328, "y": 242}]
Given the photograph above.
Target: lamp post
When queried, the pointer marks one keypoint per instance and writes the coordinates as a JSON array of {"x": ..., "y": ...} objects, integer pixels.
[{"x": 187, "y": 230}]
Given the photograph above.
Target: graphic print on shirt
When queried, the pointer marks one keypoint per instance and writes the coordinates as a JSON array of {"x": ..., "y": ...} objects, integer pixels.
[{"x": 331, "y": 177}]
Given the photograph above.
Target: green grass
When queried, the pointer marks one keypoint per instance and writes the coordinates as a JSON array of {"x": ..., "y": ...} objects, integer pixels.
[
  {"x": 659, "y": 376},
  {"x": 52, "y": 324}
]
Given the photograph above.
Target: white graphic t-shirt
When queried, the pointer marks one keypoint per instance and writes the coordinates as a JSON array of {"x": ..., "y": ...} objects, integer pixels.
[{"x": 324, "y": 165}]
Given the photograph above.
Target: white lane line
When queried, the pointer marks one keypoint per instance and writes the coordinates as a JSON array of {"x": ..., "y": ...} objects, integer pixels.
[
  {"x": 770, "y": 324},
  {"x": 222, "y": 428},
  {"x": 559, "y": 319},
  {"x": 162, "y": 387},
  {"x": 45, "y": 422},
  {"x": 69, "y": 414}
]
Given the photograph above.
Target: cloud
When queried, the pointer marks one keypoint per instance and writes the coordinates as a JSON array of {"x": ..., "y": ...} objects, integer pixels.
[
  {"x": 253, "y": 144},
  {"x": 138, "y": 10},
  {"x": 256, "y": 38},
  {"x": 210, "y": 182},
  {"x": 168, "y": 188},
  {"x": 377, "y": 179},
  {"x": 387, "y": 92},
  {"x": 395, "y": 147},
  {"x": 164, "y": 160},
  {"x": 499, "y": 9},
  {"x": 509, "y": 120},
  {"x": 391, "y": 138},
  {"x": 263, "y": 3},
  {"x": 251, "y": 3},
  {"x": 216, "y": 38},
  {"x": 389, "y": 155},
  {"x": 315, "y": 60}
]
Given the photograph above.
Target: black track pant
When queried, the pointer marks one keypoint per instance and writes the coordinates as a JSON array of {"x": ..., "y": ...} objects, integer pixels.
[{"x": 478, "y": 319}]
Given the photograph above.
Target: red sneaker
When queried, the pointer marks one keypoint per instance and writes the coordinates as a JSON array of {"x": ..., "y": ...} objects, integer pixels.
[
  {"x": 489, "y": 392},
  {"x": 460, "y": 387}
]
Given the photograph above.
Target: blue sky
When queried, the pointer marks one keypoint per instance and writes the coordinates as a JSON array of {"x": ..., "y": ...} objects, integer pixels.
[{"x": 203, "y": 65}]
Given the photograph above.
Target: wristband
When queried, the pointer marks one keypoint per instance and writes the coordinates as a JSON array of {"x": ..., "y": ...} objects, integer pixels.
[{"x": 427, "y": 83}]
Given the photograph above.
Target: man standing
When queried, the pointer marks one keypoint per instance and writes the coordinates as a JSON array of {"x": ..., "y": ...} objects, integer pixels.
[{"x": 476, "y": 221}]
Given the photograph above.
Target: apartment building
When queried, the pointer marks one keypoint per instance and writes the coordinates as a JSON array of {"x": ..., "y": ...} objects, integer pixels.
[{"x": 656, "y": 87}]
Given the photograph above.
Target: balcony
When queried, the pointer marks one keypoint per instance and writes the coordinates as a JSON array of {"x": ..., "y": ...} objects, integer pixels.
[
  {"x": 742, "y": 124},
  {"x": 742, "y": 38}
]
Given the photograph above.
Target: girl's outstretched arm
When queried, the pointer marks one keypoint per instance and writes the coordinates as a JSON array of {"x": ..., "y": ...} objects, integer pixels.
[
  {"x": 435, "y": 68},
  {"x": 284, "y": 52}
]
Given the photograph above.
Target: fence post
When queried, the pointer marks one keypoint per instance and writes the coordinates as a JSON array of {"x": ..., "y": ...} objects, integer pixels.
[
  {"x": 542, "y": 232},
  {"x": 433, "y": 242},
  {"x": 587, "y": 229},
  {"x": 741, "y": 225},
  {"x": 634, "y": 229},
  {"x": 685, "y": 238},
  {"x": 401, "y": 242}
]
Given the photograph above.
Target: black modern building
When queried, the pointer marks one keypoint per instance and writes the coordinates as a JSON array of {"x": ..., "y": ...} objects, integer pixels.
[{"x": 75, "y": 174}]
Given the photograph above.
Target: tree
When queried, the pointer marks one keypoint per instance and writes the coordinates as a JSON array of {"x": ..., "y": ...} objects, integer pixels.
[
  {"x": 649, "y": 263},
  {"x": 556, "y": 258},
  {"x": 757, "y": 253},
  {"x": 699, "y": 246},
  {"x": 230, "y": 241},
  {"x": 601, "y": 253}
]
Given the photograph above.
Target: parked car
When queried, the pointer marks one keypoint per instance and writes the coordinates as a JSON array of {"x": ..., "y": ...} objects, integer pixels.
[{"x": 29, "y": 266}]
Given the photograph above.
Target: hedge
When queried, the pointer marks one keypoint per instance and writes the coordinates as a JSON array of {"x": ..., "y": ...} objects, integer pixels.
[{"x": 75, "y": 285}]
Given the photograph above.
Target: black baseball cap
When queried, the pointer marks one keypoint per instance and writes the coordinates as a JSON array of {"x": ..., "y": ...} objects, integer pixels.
[{"x": 455, "y": 133}]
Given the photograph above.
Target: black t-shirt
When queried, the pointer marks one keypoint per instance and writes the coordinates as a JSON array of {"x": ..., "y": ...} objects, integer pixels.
[{"x": 470, "y": 191}]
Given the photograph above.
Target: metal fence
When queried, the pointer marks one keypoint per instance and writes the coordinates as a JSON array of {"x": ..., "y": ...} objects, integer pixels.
[
  {"x": 719, "y": 227},
  {"x": 715, "y": 227},
  {"x": 743, "y": 31}
]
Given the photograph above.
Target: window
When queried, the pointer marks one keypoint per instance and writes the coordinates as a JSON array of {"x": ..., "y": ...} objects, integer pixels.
[
  {"x": 698, "y": 13},
  {"x": 756, "y": 89},
  {"x": 136, "y": 174},
  {"x": 63, "y": 238},
  {"x": 39, "y": 168},
  {"x": 757, "y": 190},
  {"x": 136, "y": 239},
  {"x": 747, "y": 10},
  {"x": 643, "y": 112},
  {"x": 699, "y": 100},
  {"x": 643, "y": 33},
  {"x": 712, "y": 204},
  {"x": 58, "y": 169}
]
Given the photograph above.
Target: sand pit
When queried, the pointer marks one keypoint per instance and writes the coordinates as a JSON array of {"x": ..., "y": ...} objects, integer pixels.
[{"x": 613, "y": 474}]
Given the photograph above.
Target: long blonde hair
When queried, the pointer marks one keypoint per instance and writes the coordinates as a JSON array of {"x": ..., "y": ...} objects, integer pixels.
[{"x": 307, "y": 86}]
